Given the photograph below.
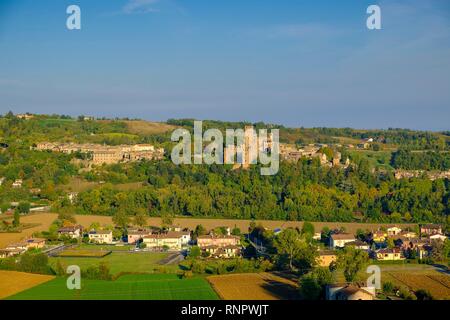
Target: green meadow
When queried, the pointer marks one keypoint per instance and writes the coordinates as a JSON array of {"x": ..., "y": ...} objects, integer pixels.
[
  {"x": 142, "y": 262},
  {"x": 127, "y": 287}
]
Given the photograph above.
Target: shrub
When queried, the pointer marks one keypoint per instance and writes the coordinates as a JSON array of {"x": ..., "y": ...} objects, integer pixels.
[
  {"x": 423, "y": 294},
  {"x": 388, "y": 287}
]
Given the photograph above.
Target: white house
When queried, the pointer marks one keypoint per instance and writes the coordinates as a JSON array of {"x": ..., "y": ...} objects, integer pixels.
[
  {"x": 101, "y": 237},
  {"x": 393, "y": 231},
  {"x": 73, "y": 232},
  {"x": 339, "y": 240},
  {"x": 439, "y": 237},
  {"x": 17, "y": 183}
]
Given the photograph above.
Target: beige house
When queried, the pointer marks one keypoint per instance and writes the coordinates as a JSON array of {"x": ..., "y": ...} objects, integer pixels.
[
  {"x": 325, "y": 258},
  {"x": 339, "y": 240},
  {"x": 437, "y": 237},
  {"x": 101, "y": 237},
  {"x": 219, "y": 240},
  {"x": 350, "y": 292},
  {"x": 389, "y": 254},
  {"x": 35, "y": 243},
  {"x": 172, "y": 240},
  {"x": 8, "y": 253},
  {"x": 222, "y": 252},
  {"x": 379, "y": 236},
  {"x": 393, "y": 231},
  {"x": 18, "y": 183}
]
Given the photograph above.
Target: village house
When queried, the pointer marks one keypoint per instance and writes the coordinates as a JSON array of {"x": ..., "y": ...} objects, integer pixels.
[
  {"x": 20, "y": 246},
  {"x": 73, "y": 232},
  {"x": 25, "y": 116},
  {"x": 35, "y": 243},
  {"x": 101, "y": 237},
  {"x": 379, "y": 236},
  {"x": 349, "y": 292},
  {"x": 317, "y": 236},
  {"x": 222, "y": 252},
  {"x": 393, "y": 231},
  {"x": 421, "y": 247},
  {"x": 171, "y": 240},
  {"x": 17, "y": 183},
  {"x": 326, "y": 258},
  {"x": 217, "y": 240},
  {"x": 10, "y": 252},
  {"x": 408, "y": 234},
  {"x": 389, "y": 254},
  {"x": 437, "y": 237},
  {"x": 136, "y": 235},
  {"x": 338, "y": 240},
  {"x": 358, "y": 244},
  {"x": 430, "y": 229}
]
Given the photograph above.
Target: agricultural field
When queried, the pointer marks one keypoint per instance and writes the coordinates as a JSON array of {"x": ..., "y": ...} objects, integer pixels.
[
  {"x": 141, "y": 262},
  {"x": 12, "y": 282},
  {"x": 413, "y": 276},
  {"x": 141, "y": 127},
  {"x": 83, "y": 253},
  {"x": 254, "y": 286},
  {"x": 127, "y": 287},
  {"x": 436, "y": 284}
]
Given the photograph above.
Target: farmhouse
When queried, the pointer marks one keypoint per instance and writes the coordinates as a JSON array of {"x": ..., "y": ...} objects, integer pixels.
[
  {"x": 73, "y": 232},
  {"x": 136, "y": 235},
  {"x": 349, "y": 292},
  {"x": 101, "y": 237},
  {"x": 35, "y": 243},
  {"x": 8, "y": 253},
  {"x": 219, "y": 240},
  {"x": 325, "y": 258},
  {"x": 430, "y": 229},
  {"x": 408, "y": 234},
  {"x": 223, "y": 252},
  {"x": 20, "y": 246},
  {"x": 379, "y": 236},
  {"x": 393, "y": 231},
  {"x": 17, "y": 183},
  {"x": 358, "y": 244},
  {"x": 172, "y": 240},
  {"x": 338, "y": 240},
  {"x": 437, "y": 237},
  {"x": 389, "y": 254}
]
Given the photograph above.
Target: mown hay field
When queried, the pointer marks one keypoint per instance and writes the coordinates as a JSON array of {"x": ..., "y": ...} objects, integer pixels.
[
  {"x": 141, "y": 127},
  {"x": 44, "y": 220},
  {"x": 13, "y": 282},
  {"x": 127, "y": 287},
  {"x": 84, "y": 253},
  {"x": 254, "y": 286}
]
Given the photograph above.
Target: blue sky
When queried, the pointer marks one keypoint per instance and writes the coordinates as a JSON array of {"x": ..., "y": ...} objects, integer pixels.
[{"x": 299, "y": 63}]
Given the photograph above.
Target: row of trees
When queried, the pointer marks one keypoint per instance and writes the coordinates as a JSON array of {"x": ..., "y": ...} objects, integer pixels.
[
  {"x": 404, "y": 159},
  {"x": 301, "y": 191}
]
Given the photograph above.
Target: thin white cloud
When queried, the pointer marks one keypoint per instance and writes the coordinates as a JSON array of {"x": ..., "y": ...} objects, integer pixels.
[{"x": 140, "y": 6}]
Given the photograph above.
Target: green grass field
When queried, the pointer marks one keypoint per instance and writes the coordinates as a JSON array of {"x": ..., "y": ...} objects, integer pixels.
[
  {"x": 145, "y": 262},
  {"x": 128, "y": 287}
]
